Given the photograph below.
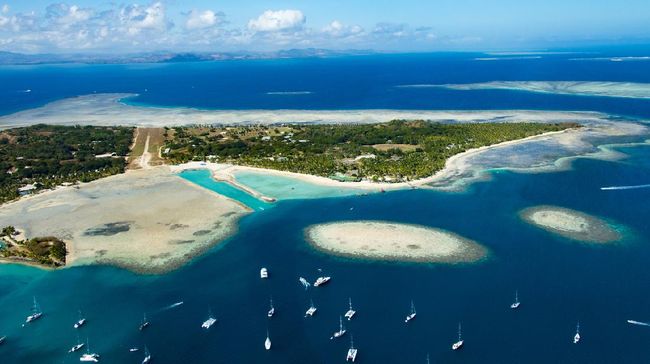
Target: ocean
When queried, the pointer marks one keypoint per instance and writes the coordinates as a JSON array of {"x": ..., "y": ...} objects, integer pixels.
[{"x": 560, "y": 281}]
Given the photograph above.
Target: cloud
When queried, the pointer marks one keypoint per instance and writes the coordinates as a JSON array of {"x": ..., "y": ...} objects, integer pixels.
[
  {"x": 138, "y": 18},
  {"x": 5, "y": 8},
  {"x": 202, "y": 19},
  {"x": 339, "y": 30},
  {"x": 280, "y": 20}
]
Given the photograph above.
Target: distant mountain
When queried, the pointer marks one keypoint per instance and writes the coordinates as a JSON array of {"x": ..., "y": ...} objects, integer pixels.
[{"x": 10, "y": 58}]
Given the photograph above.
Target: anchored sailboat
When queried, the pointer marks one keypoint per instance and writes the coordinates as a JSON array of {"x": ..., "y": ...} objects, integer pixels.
[
  {"x": 147, "y": 356},
  {"x": 76, "y": 347},
  {"x": 144, "y": 323},
  {"x": 267, "y": 342},
  {"x": 351, "y": 312},
  {"x": 210, "y": 321},
  {"x": 88, "y": 356},
  {"x": 81, "y": 321},
  {"x": 36, "y": 312},
  {"x": 312, "y": 309},
  {"x": 341, "y": 331},
  {"x": 576, "y": 337},
  {"x": 411, "y": 315},
  {"x": 515, "y": 305},
  {"x": 352, "y": 352},
  {"x": 458, "y": 344},
  {"x": 271, "y": 309}
]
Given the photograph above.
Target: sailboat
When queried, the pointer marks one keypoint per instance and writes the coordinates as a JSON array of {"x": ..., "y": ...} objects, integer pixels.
[
  {"x": 341, "y": 331},
  {"x": 411, "y": 315},
  {"x": 2, "y": 339},
  {"x": 264, "y": 273},
  {"x": 458, "y": 344},
  {"x": 210, "y": 321},
  {"x": 267, "y": 342},
  {"x": 351, "y": 312},
  {"x": 78, "y": 346},
  {"x": 312, "y": 309},
  {"x": 271, "y": 309},
  {"x": 36, "y": 312},
  {"x": 352, "y": 352},
  {"x": 144, "y": 323},
  {"x": 147, "y": 356},
  {"x": 88, "y": 356},
  {"x": 81, "y": 321},
  {"x": 576, "y": 337},
  {"x": 515, "y": 305}
]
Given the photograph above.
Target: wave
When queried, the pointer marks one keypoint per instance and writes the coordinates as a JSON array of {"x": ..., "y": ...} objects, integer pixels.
[
  {"x": 613, "y": 59},
  {"x": 289, "y": 93},
  {"x": 633, "y": 187},
  {"x": 506, "y": 58}
]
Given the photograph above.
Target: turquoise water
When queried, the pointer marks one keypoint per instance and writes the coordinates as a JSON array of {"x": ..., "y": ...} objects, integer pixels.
[
  {"x": 283, "y": 188},
  {"x": 204, "y": 179}
]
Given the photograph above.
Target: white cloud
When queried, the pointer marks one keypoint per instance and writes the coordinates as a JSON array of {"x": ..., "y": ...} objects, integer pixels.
[
  {"x": 5, "y": 8},
  {"x": 339, "y": 30},
  {"x": 272, "y": 21},
  {"x": 201, "y": 19},
  {"x": 137, "y": 18}
]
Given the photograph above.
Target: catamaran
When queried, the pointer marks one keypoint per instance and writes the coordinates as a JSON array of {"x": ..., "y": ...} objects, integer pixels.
[
  {"x": 36, "y": 312},
  {"x": 348, "y": 315},
  {"x": 312, "y": 309},
  {"x": 321, "y": 281},
  {"x": 458, "y": 344},
  {"x": 352, "y": 352},
  {"x": 411, "y": 315},
  {"x": 88, "y": 356},
  {"x": 264, "y": 273},
  {"x": 209, "y": 322},
  {"x": 271, "y": 309},
  {"x": 341, "y": 331},
  {"x": 144, "y": 323},
  {"x": 81, "y": 321},
  {"x": 515, "y": 305},
  {"x": 576, "y": 337},
  {"x": 267, "y": 342},
  {"x": 147, "y": 356}
]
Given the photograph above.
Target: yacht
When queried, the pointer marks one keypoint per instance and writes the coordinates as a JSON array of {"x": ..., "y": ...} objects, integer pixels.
[
  {"x": 209, "y": 322},
  {"x": 36, "y": 312},
  {"x": 321, "y": 281},
  {"x": 515, "y": 305},
  {"x": 133, "y": 350},
  {"x": 271, "y": 309},
  {"x": 351, "y": 312},
  {"x": 267, "y": 342},
  {"x": 147, "y": 356},
  {"x": 88, "y": 356},
  {"x": 81, "y": 321},
  {"x": 264, "y": 273},
  {"x": 341, "y": 331},
  {"x": 352, "y": 352},
  {"x": 411, "y": 315},
  {"x": 576, "y": 337},
  {"x": 312, "y": 309},
  {"x": 458, "y": 344},
  {"x": 144, "y": 323}
]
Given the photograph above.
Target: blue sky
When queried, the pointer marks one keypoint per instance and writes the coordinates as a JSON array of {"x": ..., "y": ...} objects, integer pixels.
[{"x": 260, "y": 25}]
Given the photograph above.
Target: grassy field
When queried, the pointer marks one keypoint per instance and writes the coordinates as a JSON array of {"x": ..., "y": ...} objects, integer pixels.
[{"x": 156, "y": 141}]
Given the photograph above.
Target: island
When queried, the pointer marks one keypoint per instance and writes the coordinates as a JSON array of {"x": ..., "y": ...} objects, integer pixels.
[
  {"x": 390, "y": 241},
  {"x": 43, "y": 251},
  {"x": 572, "y": 224}
]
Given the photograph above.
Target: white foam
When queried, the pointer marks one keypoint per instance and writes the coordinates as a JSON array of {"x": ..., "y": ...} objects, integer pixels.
[{"x": 634, "y": 187}]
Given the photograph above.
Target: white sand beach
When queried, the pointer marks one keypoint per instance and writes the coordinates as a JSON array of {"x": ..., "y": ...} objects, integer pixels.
[
  {"x": 570, "y": 223},
  {"x": 148, "y": 221},
  {"x": 389, "y": 241}
]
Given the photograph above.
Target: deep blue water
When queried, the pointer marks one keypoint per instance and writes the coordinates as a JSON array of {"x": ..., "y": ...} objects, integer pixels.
[{"x": 361, "y": 82}]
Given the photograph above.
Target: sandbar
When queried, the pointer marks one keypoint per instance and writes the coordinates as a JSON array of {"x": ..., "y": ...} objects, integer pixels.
[
  {"x": 389, "y": 241},
  {"x": 572, "y": 224}
]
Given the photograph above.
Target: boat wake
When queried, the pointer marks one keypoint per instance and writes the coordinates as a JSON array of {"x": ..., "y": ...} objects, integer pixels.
[
  {"x": 173, "y": 305},
  {"x": 304, "y": 282},
  {"x": 634, "y": 187},
  {"x": 638, "y": 323}
]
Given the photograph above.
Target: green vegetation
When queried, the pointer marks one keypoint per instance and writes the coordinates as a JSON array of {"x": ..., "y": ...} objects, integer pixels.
[
  {"x": 396, "y": 151},
  {"x": 46, "y": 156},
  {"x": 48, "y": 251}
]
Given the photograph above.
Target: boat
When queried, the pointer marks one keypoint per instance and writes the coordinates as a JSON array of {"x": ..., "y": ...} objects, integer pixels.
[
  {"x": 428, "y": 361},
  {"x": 515, "y": 305},
  {"x": 144, "y": 323},
  {"x": 352, "y": 352},
  {"x": 341, "y": 331},
  {"x": 88, "y": 356},
  {"x": 304, "y": 282},
  {"x": 133, "y": 350},
  {"x": 209, "y": 322},
  {"x": 312, "y": 309},
  {"x": 348, "y": 315},
  {"x": 458, "y": 344},
  {"x": 81, "y": 321},
  {"x": 576, "y": 337},
  {"x": 267, "y": 342},
  {"x": 147, "y": 356},
  {"x": 36, "y": 312},
  {"x": 2, "y": 339},
  {"x": 271, "y": 309},
  {"x": 321, "y": 281},
  {"x": 78, "y": 346},
  {"x": 264, "y": 273},
  {"x": 411, "y": 315}
]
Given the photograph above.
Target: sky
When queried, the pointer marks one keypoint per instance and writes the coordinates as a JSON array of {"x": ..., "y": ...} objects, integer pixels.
[{"x": 98, "y": 26}]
